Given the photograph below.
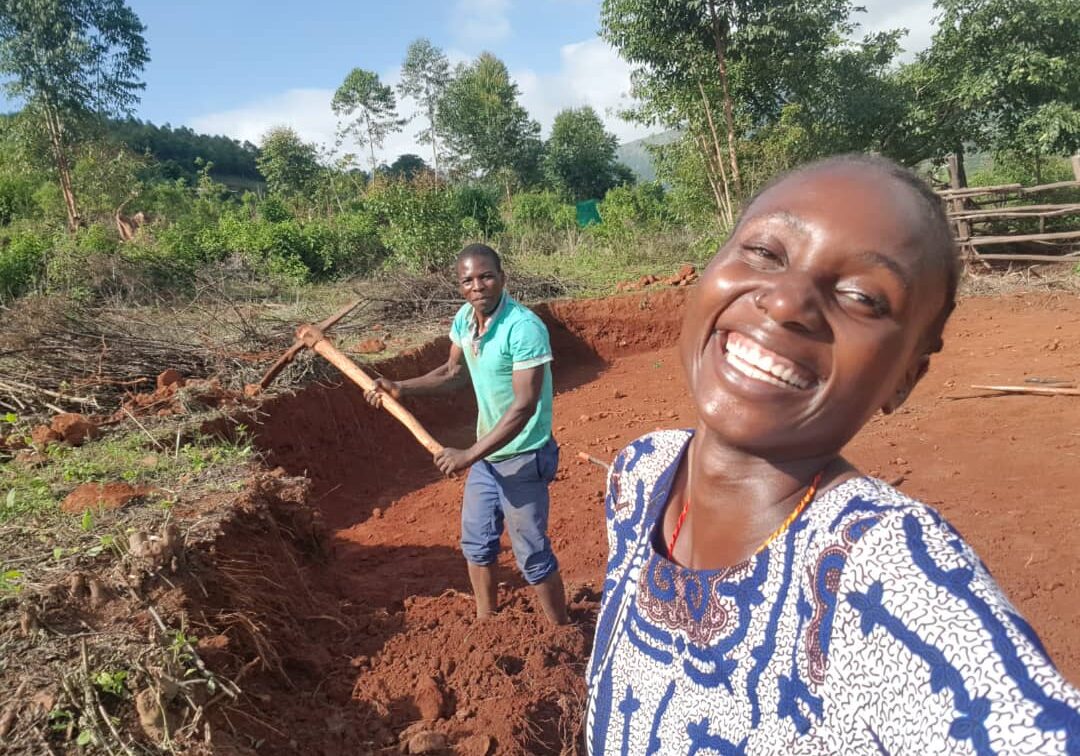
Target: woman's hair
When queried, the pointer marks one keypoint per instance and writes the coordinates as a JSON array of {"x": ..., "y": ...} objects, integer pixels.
[{"x": 938, "y": 232}]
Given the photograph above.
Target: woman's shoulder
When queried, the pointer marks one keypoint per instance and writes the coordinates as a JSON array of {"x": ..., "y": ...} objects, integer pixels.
[
  {"x": 639, "y": 468},
  {"x": 861, "y": 505},
  {"x": 882, "y": 519},
  {"x": 648, "y": 458}
]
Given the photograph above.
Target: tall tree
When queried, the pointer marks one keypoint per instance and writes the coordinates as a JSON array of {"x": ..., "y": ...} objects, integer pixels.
[
  {"x": 289, "y": 164},
  {"x": 70, "y": 60},
  {"x": 721, "y": 70},
  {"x": 1002, "y": 75},
  {"x": 370, "y": 104},
  {"x": 407, "y": 167},
  {"x": 579, "y": 158},
  {"x": 424, "y": 77},
  {"x": 488, "y": 132}
]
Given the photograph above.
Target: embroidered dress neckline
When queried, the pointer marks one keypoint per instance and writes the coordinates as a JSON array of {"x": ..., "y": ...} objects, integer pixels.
[{"x": 659, "y": 499}]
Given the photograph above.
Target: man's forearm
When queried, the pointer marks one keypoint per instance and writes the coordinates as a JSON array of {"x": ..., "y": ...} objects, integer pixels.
[
  {"x": 439, "y": 380},
  {"x": 506, "y": 430}
]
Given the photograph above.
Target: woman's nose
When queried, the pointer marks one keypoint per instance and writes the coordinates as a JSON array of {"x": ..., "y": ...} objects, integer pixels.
[{"x": 793, "y": 303}]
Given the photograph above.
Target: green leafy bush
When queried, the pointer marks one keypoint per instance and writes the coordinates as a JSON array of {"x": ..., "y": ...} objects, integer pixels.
[
  {"x": 22, "y": 257},
  {"x": 627, "y": 211},
  {"x": 540, "y": 212},
  {"x": 417, "y": 223},
  {"x": 478, "y": 208},
  {"x": 16, "y": 199}
]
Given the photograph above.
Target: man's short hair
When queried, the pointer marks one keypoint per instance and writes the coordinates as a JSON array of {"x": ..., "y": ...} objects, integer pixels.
[{"x": 481, "y": 250}]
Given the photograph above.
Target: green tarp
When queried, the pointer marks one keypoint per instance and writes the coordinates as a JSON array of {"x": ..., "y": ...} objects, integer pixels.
[{"x": 587, "y": 213}]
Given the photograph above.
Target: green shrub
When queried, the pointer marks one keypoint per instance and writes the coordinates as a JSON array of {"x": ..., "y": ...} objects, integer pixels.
[
  {"x": 358, "y": 248},
  {"x": 478, "y": 208},
  {"x": 82, "y": 262},
  {"x": 16, "y": 199},
  {"x": 540, "y": 212},
  {"x": 627, "y": 211},
  {"x": 418, "y": 224},
  {"x": 22, "y": 257}
]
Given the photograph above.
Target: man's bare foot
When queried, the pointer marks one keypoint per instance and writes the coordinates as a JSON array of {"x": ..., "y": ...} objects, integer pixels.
[
  {"x": 552, "y": 597},
  {"x": 484, "y": 588}
]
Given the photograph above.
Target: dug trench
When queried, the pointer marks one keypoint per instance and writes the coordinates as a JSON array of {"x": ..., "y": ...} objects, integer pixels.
[{"x": 347, "y": 587}]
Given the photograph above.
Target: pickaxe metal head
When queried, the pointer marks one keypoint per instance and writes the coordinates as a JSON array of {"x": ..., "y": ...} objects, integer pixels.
[{"x": 302, "y": 343}]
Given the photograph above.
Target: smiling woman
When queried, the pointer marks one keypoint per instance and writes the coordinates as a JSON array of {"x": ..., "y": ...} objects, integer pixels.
[{"x": 763, "y": 595}]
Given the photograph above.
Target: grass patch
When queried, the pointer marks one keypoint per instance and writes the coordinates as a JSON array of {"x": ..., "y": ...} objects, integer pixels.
[
  {"x": 30, "y": 490},
  {"x": 594, "y": 269}
]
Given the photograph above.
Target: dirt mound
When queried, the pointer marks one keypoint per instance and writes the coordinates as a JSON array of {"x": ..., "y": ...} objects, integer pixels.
[
  {"x": 95, "y": 496},
  {"x": 513, "y": 680},
  {"x": 175, "y": 395}
]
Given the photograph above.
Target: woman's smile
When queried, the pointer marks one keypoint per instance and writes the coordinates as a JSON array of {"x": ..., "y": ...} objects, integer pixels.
[{"x": 759, "y": 363}]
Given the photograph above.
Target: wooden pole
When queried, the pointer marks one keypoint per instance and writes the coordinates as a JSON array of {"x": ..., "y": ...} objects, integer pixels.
[
  {"x": 1038, "y": 390},
  {"x": 957, "y": 182},
  {"x": 1032, "y": 258},
  {"x": 1056, "y": 236},
  {"x": 314, "y": 339},
  {"x": 1076, "y": 166}
]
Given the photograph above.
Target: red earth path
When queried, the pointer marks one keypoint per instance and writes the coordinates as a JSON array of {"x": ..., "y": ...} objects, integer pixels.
[{"x": 1004, "y": 470}]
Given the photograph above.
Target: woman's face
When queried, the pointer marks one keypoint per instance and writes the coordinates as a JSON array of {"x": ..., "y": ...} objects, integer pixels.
[{"x": 813, "y": 316}]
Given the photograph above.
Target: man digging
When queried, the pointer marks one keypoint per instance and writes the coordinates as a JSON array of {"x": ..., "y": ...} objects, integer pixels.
[{"x": 506, "y": 349}]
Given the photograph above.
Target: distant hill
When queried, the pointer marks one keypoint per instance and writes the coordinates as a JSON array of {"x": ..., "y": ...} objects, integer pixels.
[
  {"x": 177, "y": 149},
  {"x": 636, "y": 157}
]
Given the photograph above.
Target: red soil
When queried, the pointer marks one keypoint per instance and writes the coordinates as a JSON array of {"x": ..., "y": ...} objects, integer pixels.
[{"x": 400, "y": 644}]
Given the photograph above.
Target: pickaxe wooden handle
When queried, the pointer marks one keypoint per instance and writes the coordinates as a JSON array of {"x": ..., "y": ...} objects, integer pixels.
[
  {"x": 313, "y": 337},
  {"x": 299, "y": 344}
]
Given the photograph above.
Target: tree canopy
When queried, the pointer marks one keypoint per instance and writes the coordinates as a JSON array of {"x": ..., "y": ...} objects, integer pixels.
[
  {"x": 370, "y": 105},
  {"x": 487, "y": 130},
  {"x": 69, "y": 59},
  {"x": 424, "y": 77},
  {"x": 579, "y": 157}
]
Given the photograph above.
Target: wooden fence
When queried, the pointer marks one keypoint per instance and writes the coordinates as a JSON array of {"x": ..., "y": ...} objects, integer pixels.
[{"x": 974, "y": 210}]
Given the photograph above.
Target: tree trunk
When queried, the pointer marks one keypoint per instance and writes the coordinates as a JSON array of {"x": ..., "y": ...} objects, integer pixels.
[
  {"x": 434, "y": 140},
  {"x": 714, "y": 183},
  {"x": 720, "y": 42},
  {"x": 725, "y": 207},
  {"x": 63, "y": 169},
  {"x": 371, "y": 146}
]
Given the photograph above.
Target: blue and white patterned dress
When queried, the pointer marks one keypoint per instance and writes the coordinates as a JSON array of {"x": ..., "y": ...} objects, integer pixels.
[{"x": 869, "y": 626}]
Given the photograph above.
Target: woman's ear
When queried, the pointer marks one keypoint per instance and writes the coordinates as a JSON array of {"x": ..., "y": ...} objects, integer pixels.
[{"x": 910, "y": 380}]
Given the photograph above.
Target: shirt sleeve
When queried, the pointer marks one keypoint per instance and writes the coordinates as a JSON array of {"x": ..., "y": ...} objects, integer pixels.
[
  {"x": 455, "y": 329},
  {"x": 927, "y": 655},
  {"x": 529, "y": 344}
]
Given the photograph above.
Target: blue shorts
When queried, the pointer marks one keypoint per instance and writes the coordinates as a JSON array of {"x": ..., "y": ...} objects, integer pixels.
[{"x": 514, "y": 491}]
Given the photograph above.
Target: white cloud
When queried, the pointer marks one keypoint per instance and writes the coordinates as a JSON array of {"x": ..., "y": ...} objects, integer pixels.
[
  {"x": 480, "y": 22},
  {"x": 917, "y": 16},
  {"x": 307, "y": 111},
  {"x": 590, "y": 73}
]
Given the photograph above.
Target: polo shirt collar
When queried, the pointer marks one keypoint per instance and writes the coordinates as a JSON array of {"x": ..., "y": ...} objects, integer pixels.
[{"x": 478, "y": 330}]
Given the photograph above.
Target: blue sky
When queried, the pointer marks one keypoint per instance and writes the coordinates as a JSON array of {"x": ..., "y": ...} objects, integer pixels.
[
  {"x": 239, "y": 67},
  {"x": 211, "y": 56}
]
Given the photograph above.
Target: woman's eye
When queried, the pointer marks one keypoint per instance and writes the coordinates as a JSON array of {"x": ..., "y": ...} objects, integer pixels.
[
  {"x": 878, "y": 306},
  {"x": 763, "y": 256}
]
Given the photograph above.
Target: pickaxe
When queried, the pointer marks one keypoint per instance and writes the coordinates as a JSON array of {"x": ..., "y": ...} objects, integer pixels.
[{"x": 314, "y": 337}]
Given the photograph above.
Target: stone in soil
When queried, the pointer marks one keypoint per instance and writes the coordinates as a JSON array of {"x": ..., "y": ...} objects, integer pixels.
[{"x": 74, "y": 428}]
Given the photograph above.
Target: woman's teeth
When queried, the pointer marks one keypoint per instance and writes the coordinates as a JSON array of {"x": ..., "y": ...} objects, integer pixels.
[{"x": 752, "y": 360}]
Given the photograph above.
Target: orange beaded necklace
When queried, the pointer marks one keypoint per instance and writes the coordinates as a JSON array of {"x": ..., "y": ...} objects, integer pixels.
[{"x": 803, "y": 503}]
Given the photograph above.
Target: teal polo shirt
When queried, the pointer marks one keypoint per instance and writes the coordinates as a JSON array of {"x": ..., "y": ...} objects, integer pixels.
[{"x": 516, "y": 339}]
